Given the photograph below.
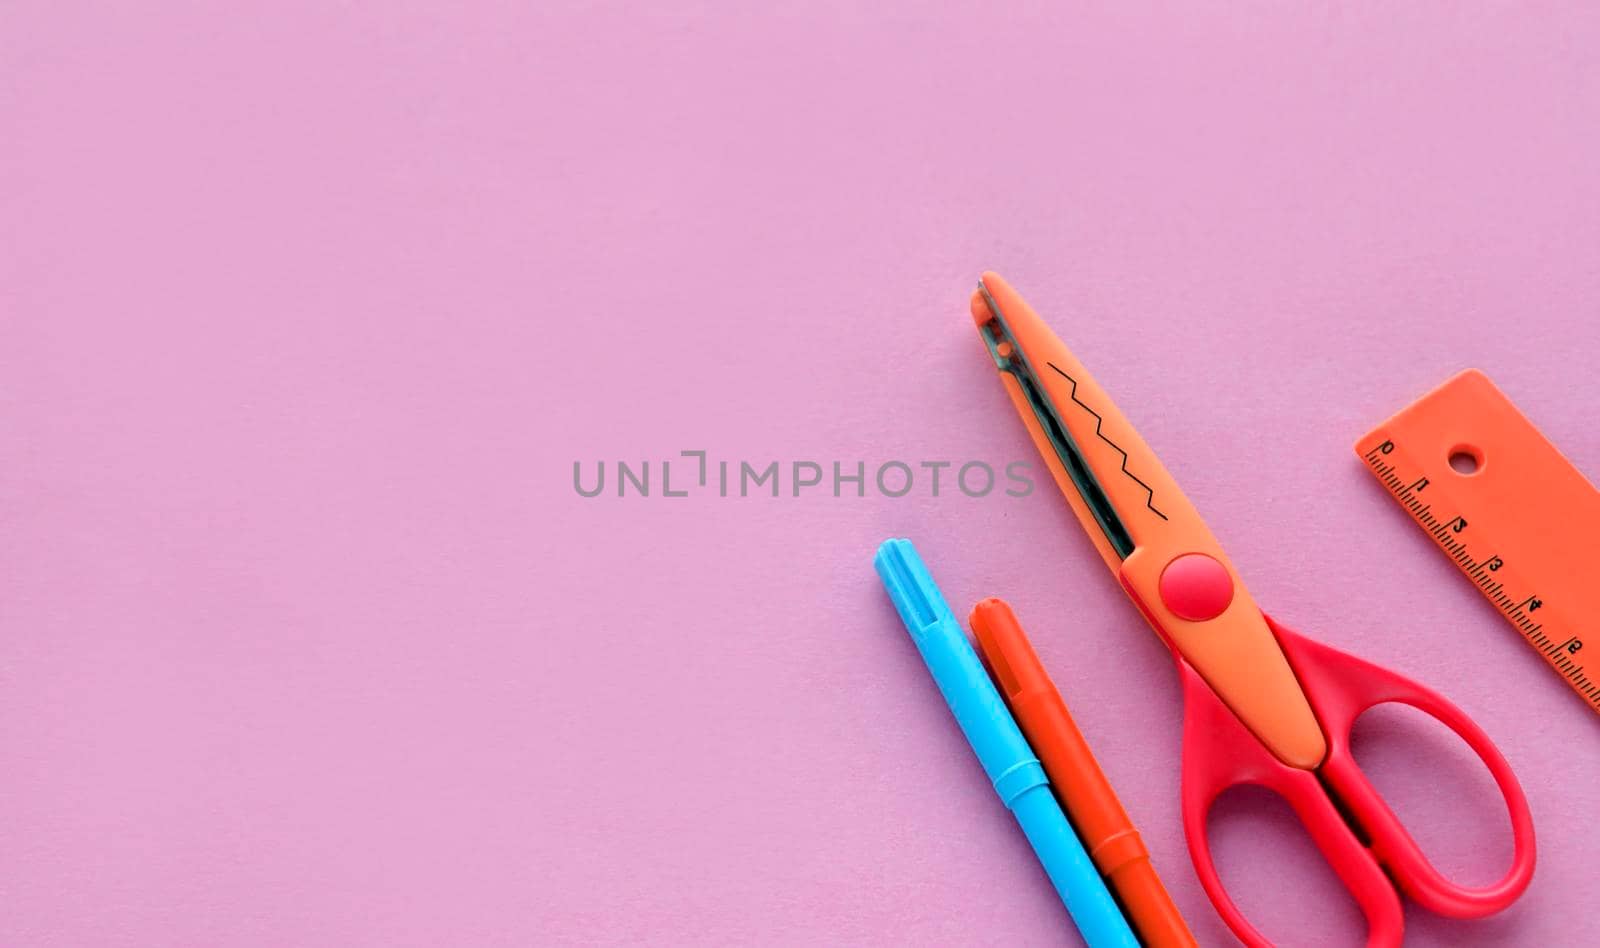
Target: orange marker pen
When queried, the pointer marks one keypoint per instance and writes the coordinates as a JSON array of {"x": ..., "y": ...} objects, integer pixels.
[{"x": 1091, "y": 804}]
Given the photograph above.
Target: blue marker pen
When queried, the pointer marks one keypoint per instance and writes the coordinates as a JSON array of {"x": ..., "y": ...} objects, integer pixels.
[{"x": 999, "y": 744}]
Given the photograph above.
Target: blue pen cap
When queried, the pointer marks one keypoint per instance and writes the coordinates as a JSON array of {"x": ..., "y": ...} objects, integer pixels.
[
  {"x": 957, "y": 670},
  {"x": 910, "y": 586}
]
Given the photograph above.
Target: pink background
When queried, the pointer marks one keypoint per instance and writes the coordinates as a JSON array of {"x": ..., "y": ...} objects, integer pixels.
[{"x": 308, "y": 309}]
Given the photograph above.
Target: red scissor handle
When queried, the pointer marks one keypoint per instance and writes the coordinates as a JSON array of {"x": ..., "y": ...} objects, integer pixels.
[
  {"x": 1342, "y": 686},
  {"x": 1219, "y": 753}
]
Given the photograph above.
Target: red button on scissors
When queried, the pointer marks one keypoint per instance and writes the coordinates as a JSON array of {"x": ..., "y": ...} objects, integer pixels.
[{"x": 1262, "y": 704}]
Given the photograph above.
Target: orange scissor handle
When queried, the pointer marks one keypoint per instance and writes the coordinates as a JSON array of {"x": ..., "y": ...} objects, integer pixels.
[
  {"x": 1220, "y": 753},
  {"x": 1341, "y": 687}
]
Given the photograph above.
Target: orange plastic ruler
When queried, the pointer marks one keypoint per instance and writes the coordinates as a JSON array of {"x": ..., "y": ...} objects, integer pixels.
[{"x": 1514, "y": 514}]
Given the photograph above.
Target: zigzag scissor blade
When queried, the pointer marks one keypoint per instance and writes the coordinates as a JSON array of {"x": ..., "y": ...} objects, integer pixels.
[
  {"x": 1150, "y": 495},
  {"x": 1011, "y": 359}
]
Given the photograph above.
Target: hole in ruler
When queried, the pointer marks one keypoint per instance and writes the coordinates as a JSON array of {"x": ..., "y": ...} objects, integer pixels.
[{"x": 1465, "y": 459}]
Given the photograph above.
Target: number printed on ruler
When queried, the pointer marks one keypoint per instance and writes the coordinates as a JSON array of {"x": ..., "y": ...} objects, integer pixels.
[
  {"x": 1516, "y": 517},
  {"x": 1516, "y": 601}
]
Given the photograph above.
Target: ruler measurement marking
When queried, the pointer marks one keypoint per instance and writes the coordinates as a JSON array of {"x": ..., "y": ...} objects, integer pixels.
[{"x": 1445, "y": 532}]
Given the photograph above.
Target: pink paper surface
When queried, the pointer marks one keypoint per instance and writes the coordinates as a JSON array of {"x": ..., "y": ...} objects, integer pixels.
[{"x": 308, "y": 310}]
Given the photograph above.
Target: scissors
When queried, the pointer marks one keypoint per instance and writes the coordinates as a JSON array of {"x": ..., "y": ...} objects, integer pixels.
[{"x": 1263, "y": 705}]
